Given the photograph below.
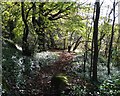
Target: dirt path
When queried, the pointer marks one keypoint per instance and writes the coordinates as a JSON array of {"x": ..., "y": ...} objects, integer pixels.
[
  {"x": 43, "y": 78},
  {"x": 42, "y": 81}
]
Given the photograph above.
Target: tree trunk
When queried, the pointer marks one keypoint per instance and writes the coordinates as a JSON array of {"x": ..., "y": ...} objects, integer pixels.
[
  {"x": 52, "y": 41},
  {"x": 91, "y": 59},
  {"x": 100, "y": 41},
  {"x": 91, "y": 66},
  {"x": 111, "y": 40},
  {"x": 40, "y": 29},
  {"x": 25, "y": 46},
  {"x": 118, "y": 39},
  {"x": 11, "y": 24},
  {"x": 85, "y": 59},
  {"x": 95, "y": 41},
  {"x": 77, "y": 43},
  {"x": 64, "y": 40},
  {"x": 86, "y": 44}
]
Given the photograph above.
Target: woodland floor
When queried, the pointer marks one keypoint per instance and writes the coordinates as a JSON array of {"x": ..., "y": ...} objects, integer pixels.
[{"x": 42, "y": 80}]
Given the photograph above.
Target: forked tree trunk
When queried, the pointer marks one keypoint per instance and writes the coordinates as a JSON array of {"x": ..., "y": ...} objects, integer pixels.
[{"x": 25, "y": 46}]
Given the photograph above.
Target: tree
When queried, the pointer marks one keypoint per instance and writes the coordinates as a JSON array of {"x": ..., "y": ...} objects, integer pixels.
[
  {"x": 49, "y": 14},
  {"x": 95, "y": 40},
  {"x": 37, "y": 23},
  {"x": 111, "y": 40},
  {"x": 25, "y": 46}
]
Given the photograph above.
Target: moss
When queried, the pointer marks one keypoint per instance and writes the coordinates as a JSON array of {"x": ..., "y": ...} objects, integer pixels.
[{"x": 59, "y": 83}]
